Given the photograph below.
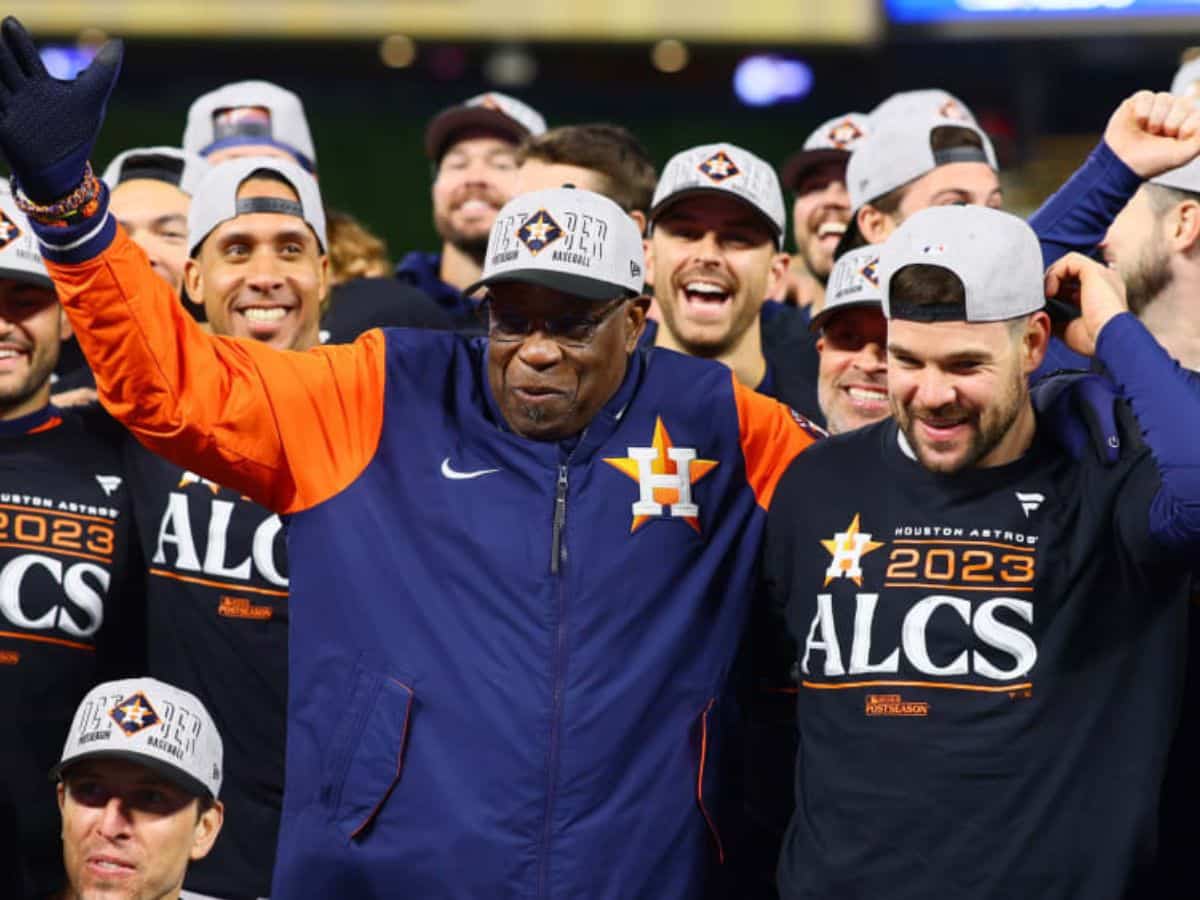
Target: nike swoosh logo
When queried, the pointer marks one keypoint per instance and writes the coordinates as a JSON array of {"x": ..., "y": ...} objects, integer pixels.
[{"x": 455, "y": 475}]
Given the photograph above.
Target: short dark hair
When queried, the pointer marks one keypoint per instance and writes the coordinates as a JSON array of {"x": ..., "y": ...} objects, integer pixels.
[
  {"x": 1163, "y": 198},
  {"x": 620, "y": 159},
  {"x": 927, "y": 293}
]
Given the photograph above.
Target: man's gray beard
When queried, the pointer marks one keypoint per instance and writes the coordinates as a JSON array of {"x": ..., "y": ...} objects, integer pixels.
[{"x": 1149, "y": 277}]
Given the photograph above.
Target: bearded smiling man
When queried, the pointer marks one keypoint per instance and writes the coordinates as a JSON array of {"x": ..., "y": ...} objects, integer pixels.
[
  {"x": 473, "y": 150},
  {"x": 821, "y": 208}
]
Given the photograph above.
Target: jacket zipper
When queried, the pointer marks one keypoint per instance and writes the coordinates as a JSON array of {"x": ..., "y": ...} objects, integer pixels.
[{"x": 558, "y": 554}]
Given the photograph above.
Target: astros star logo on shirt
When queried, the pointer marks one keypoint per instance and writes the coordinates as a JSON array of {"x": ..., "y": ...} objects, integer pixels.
[
  {"x": 847, "y": 549},
  {"x": 665, "y": 475}
]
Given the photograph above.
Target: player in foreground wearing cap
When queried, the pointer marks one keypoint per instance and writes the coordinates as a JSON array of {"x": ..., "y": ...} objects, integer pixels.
[
  {"x": 714, "y": 256},
  {"x": 546, "y": 537},
  {"x": 70, "y": 595},
  {"x": 472, "y": 147},
  {"x": 218, "y": 568},
  {"x": 816, "y": 175},
  {"x": 989, "y": 629},
  {"x": 138, "y": 786}
]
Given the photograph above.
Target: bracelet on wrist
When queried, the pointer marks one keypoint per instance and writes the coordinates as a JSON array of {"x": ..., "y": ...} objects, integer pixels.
[{"x": 81, "y": 202}]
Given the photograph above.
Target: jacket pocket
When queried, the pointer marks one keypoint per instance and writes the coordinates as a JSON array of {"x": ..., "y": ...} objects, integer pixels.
[
  {"x": 706, "y": 774},
  {"x": 368, "y": 757}
]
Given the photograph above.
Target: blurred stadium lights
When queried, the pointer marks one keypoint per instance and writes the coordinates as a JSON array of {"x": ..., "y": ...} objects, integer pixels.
[
  {"x": 510, "y": 66},
  {"x": 65, "y": 61},
  {"x": 763, "y": 80},
  {"x": 670, "y": 56},
  {"x": 397, "y": 51}
]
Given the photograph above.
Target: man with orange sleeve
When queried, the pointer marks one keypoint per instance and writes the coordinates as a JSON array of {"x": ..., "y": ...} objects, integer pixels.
[{"x": 519, "y": 564}]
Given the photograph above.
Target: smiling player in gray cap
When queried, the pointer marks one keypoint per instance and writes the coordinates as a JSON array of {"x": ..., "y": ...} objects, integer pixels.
[
  {"x": 988, "y": 628},
  {"x": 138, "y": 787}
]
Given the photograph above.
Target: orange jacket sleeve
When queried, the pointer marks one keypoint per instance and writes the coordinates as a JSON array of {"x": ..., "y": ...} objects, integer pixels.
[
  {"x": 287, "y": 429},
  {"x": 772, "y": 436}
]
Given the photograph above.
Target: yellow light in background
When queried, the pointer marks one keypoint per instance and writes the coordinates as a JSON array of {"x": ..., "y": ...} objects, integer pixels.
[
  {"x": 397, "y": 51},
  {"x": 669, "y": 56},
  {"x": 91, "y": 37}
]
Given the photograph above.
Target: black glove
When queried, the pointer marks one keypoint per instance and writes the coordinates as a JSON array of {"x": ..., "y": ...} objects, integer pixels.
[{"x": 48, "y": 127}]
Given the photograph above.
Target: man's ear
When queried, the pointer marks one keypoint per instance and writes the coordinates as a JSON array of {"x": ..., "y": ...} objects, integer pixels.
[
  {"x": 636, "y": 317},
  {"x": 208, "y": 826},
  {"x": 1184, "y": 231},
  {"x": 874, "y": 225},
  {"x": 193, "y": 281},
  {"x": 777, "y": 277},
  {"x": 1035, "y": 341}
]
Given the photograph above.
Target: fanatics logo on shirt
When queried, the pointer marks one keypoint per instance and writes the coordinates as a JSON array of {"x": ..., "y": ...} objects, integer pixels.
[{"x": 665, "y": 475}]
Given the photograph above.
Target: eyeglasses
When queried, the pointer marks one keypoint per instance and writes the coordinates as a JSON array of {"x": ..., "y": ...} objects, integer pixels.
[{"x": 569, "y": 330}]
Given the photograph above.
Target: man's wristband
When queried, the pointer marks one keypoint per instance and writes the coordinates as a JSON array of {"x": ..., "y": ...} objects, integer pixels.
[{"x": 82, "y": 202}]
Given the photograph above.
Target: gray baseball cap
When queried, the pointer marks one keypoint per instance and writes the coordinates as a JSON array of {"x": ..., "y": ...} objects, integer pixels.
[
  {"x": 567, "y": 239},
  {"x": 493, "y": 112},
  {"x": 215, "y": 200},
  {"x": 1188, "y": 74},
  {"x": 1184, "y": 178},
  {"x": 20, "y": 257},
  {"x": 150, "y": 723},
  {"x": 898, "y": 147},
  {"x": 853, "y": 282},
  {"x": 833, "y": 141},
  {"x": 722, "y": 169},
  {"x": 170, "y": 164},
  {"x": 250, "y": 113},
  {"x": 995, "y": 255}
]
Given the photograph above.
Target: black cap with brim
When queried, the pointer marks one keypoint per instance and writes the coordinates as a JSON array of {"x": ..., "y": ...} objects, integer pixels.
[
  {"x": 796, "y": 165},
  {"x": 818, "y": 321},
  {"x": 445, "y": 125},
  {"x": 671, "y": 199},
  {"x": 173, "y": 774},
  {"x": 26, "y": 277},
  {"x": 576, "y": 285}
]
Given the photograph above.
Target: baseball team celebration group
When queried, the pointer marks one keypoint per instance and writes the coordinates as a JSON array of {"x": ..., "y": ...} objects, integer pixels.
[{"x": 611, "y": 551}]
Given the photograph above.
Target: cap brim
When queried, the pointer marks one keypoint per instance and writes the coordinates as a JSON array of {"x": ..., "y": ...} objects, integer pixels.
[
  {"x": 796, "y": 165},
  {"x": 671, "y": 199},
  {"x": 171, "y": 773},
  {"x": 253, "y": 140},
  {"x": 818, "y": 321},
  {"x": 34, "y": 278},
  {"x": 576, "y": 285},
  {"x": 1060, "y": 311},
  {"x": 460, "y": 118}
]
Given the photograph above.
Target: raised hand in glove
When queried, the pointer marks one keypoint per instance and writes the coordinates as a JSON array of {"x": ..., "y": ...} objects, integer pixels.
[{"x": 48, "y": 126}]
